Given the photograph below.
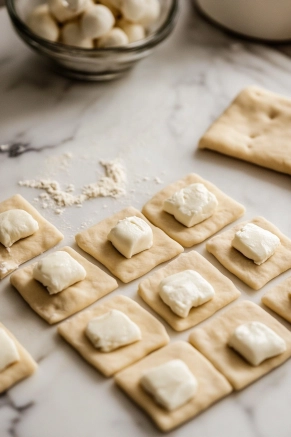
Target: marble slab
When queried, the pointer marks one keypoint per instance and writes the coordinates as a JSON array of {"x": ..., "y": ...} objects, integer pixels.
[{"x": 152, "y": 120}]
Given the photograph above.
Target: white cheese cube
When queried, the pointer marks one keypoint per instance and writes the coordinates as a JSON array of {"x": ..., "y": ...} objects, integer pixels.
[
  {"x": 133, "y": 10},
  {"x": 114, "y": 38},
  {"x": 8, "y": 351},
  {"x": 96, "y": 21},
  {"x": 151, "y": 14},
  {"x": 255, "y": 243},
  {"x": 134, "y": 32},
  {"x": 131, "y": 236},
  {"x": 58, "y": 271},
  {"x": 191, "y": 205},
  {"x": 185, "y": 290},
  {"x": 43, "y": 24},
  {"x": 112, "y": 330},
  {"x": 256, "y": 342},
  {"x": 16, "y": 224},
  {"x": 171, "y": 384}
]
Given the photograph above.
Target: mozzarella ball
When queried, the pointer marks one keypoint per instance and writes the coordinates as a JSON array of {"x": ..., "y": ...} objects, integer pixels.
[
  {"x": 152, "y": 13},
  {"x": 76, "y": 5},
  {"x": 63, "y": 13},
  {"x": 97, "y": 21},
  {"x": 114, "y": 38},
  {"x": 43, "y": 24},
  {"x": 72, "y": 35},
  {"x": 114, "y": 6},
  {"x": 133, "y": 10},
  {"x": 134, "y": 32}
]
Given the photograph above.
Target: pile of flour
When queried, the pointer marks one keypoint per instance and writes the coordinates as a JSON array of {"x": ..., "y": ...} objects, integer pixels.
[{"x": 113, "y": 184}]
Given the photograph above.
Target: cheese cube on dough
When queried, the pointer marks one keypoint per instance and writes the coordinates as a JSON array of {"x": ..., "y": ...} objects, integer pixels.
[
  {"x": 58, "y": 271},
  {"x": 255, "y": 243},
  {"x": 171, "y": 384},
  {"x": 8, "y": 351},
  {"x": 131, "y": 236},
  {"x": 191, "y": 205},
  {"x": 112, "y": 330},
  {"x": 184, "y": 290},
  {"x": 16, "y": 224},
  {"x": 256, "y": 342}
]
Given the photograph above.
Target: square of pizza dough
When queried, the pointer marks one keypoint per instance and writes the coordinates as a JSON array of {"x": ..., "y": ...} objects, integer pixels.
[
  {"x": 153, "y": 334},
  {"x": 227, "y": 211},
  {"x": 94, "y": 241},
  {"x": 19, "y": 370},
  {"x": 27, "y": 248},
  {"x": 225, "y": 291},
  {"x": 212, "y": 385},
  {"x": 56, "y": 307},
  {"x": 211, "y": 340},
  {"x": 256, "y": 127},
  {"x": 278, "y": 299},
  {"x": 256, "y": 276}
]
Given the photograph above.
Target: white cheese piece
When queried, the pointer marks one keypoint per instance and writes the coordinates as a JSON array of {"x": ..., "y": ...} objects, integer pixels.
[
  {"x": 171, "y": 384},
  {"x": 96, "y": 21},
  {"x": 114, "y": 38},
  {"x": 16, "y": 224},
  {"x": 58, "y": 271},
  {"x": 151, "y": 14},
  {"x": 59, "y": 9},
  {"x": 112, "y": 330},
  {"x": 134, "y": 32},
  {"x": 8, "y": 351},
  {"x": 43, "y": 24},
  {"x": 191, "y": 205},
  {"x": 133, "y": 10},
  {"x": 71, "y": 34},
  {"x": 256, "y": 342},
  {"x": 255, "y": 243},
  {"x": 131, "y": 236},
  {"x": 185, "y": 290}
]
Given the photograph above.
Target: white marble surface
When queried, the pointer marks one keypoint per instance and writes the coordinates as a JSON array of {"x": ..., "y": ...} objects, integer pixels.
[{"x": 151, "y": 119}]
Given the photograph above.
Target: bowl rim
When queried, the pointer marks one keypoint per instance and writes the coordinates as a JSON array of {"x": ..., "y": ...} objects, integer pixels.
[{"x": 150, "y": 41}]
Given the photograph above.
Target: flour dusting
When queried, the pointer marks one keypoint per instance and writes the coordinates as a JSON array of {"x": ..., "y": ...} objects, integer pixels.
[{"x": 111, "y": 185}]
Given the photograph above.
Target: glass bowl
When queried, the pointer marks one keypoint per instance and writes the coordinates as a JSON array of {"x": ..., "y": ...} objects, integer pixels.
[{"x": 92, "y": 64}]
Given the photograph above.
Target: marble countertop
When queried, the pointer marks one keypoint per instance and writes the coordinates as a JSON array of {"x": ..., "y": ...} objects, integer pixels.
[{"x": 151, "y": 120}]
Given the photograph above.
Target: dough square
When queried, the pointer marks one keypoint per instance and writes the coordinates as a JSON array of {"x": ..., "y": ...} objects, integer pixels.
[
  {"x": 256, "y": 127},
  {"x": 278, "y": 299},
  {"x": 212, "y": 386},
  {"x": 245, "y": 269},
  {"x": 23, "y": 368},
  {"x": 211, "y": 340},
  {"x": 225, "y": 291},
  {"x": 57, "y": 307},
  {"x": 27, "y": 248},
  {"x": 153, "y": 333},
  {"x": 227, "y": 211},
  {"x": 94, "y": 241}
]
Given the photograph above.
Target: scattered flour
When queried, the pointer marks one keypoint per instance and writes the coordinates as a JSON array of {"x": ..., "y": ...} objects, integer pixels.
[{"x": 110, "y": 185}]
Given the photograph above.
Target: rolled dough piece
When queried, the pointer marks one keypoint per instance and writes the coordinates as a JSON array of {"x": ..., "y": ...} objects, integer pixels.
[
  {"x": 19, "y": 370},
  {"x": 94, "y": 241},
  {"x": 211, "y": 340},
  {"x": 245, "y": 269},
  {"x": 256, "y": 127},
  {"x": 212, "y": 386},
  {"x": 225, "y": 291},
  {"x": 153, "y": 334},
  {"x": 27, "y": 248},
  {"x": 278, "y": 299},
  {"x": 226, "y": 212},
  {"x": 56, "y": 307}
]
